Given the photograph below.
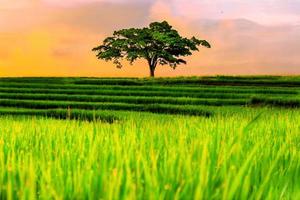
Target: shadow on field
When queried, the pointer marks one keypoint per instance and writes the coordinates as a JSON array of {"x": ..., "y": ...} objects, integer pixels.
[
  {"x": 64, "y": 115},
  {"x": 284, "y": 103}
]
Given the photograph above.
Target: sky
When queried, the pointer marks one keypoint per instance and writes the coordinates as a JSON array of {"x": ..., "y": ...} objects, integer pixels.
[{"x": 55, "y": 37}]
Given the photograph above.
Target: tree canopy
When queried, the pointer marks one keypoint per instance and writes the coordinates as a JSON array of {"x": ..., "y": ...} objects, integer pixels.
[{"x": 158, "y": 44}]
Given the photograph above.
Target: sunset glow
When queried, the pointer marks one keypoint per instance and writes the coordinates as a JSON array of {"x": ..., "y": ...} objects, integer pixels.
[{"x": 55, "y": 38}]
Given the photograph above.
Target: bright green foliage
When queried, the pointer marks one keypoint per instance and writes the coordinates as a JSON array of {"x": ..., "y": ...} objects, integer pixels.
[
  {"x": 123, "y": 138},
  {"x": 242, "y": 156},
  {"x": 158, "y": 44}
]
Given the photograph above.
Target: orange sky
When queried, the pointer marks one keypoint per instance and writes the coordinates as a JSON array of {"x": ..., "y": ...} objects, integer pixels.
[{"x": 51, "y": 38}]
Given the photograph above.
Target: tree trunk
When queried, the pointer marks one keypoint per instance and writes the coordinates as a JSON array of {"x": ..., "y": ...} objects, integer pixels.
[
  {"x": 152, "y": 65},
  {"x": 152, "y": 69}
]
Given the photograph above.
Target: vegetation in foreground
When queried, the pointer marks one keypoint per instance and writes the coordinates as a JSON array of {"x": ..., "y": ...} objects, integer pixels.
[
  {"x": 245, "y": 156},
  {"x": 180, "y": 138}
]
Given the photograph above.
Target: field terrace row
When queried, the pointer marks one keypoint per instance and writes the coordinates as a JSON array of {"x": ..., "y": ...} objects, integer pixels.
[{"x": 66, "y": 96}]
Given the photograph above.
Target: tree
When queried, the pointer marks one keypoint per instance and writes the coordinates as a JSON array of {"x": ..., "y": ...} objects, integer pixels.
[{"x": 158, "y": 44}]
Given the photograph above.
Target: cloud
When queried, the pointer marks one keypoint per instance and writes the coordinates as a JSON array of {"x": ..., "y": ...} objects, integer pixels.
[
  {"x": 261, "y": 11},
  {"x": 240, "y": 46},
  {"x": 57, "y": 41},
  {"x": 72, "y": 3},
  {"x": 104, "y": 17},
  {"x": 40, "y": 39}
]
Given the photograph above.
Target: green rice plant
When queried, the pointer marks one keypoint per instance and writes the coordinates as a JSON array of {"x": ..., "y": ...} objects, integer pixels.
[
  {"x": 86, "y": 115},
  {"x": 123, "y": 99},
  {"x": 175, "y": 88},
  {"x": 121, "y": 93},
  {"x": 154, "y": 108},
  {"x": 233, "y": 81},
  {"x": 219, "y": 80},
  {"x": 89, "y": 138},
  {"x": 150, "y": 157},
  {"x": 280, "y": 102},
  {"x": 234, "y": 92},
  {"x": 137, "y": 93}
]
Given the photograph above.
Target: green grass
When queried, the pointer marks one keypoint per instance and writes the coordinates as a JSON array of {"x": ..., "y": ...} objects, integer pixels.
[
  {"x": 144, "y": 91},
  {"x": 166, "y": 138},
  {"x": 237, "y": 157},
  {"x": 125, "y": 99},
  {"x": 270, "y": 81},
  {"x": 278, "y": 102},
  {"x": 199, "y": 81},
  {"x": 131, "y": 93},
  {"x": 154, "y": 108},
  {"x": 174, "y": 88},
  {"x": 67, "y": 114}
]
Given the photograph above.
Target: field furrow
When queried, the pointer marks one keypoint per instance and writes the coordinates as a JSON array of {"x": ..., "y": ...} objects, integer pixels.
[
  {"x": 175, "y": 88},
  {"x": 154, "y": 108}
]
